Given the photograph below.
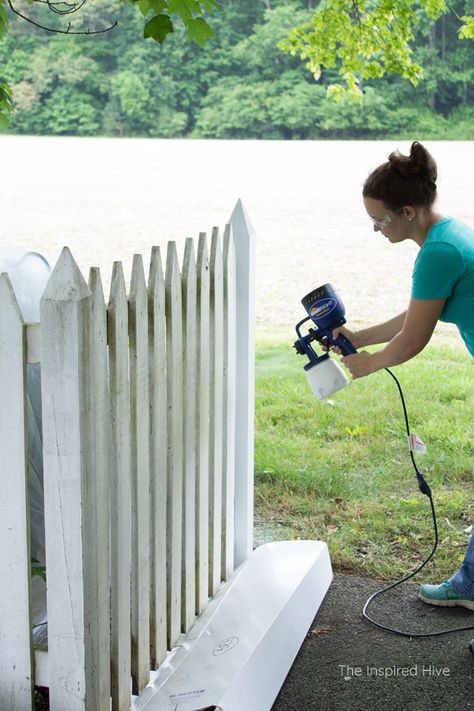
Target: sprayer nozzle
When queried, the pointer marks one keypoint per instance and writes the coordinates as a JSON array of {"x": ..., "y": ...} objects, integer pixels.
[{"x": 299, "y": 348}]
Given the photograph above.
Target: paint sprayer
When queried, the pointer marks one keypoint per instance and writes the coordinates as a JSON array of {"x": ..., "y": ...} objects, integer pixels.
[{"x": 326, "y": 311}]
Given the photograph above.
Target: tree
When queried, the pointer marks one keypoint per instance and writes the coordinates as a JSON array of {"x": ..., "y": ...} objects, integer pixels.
[
  {"x": 164, "y": 14},
  {"x": 241, "y": 83}
]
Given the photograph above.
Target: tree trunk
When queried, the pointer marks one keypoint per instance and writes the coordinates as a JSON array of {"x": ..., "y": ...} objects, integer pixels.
[
  {"x": 432, "y": 37},
  {"x": 432, "y": 45},
  {"x": 443, "y": 38}
]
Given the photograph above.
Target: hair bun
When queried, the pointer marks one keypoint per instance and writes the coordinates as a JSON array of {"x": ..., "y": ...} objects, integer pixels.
[
  {"x": 418, "y": 163},
  {"x": 404, "y": 180}
]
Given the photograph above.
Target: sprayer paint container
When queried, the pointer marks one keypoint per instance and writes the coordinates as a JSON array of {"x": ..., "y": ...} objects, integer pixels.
[{"x": 326, "y": 377}]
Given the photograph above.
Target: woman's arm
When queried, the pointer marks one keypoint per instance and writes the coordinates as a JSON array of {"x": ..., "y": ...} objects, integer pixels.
[
  {"x": 418, "y": 326},
  {"x": 381, "y": 333}
]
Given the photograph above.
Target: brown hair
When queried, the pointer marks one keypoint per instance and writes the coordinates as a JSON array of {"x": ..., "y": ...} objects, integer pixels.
[{"x": 404, "y": 180}]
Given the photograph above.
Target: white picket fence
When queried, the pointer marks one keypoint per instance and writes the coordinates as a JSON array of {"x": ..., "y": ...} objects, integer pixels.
[{"x": 147, "y": 408}]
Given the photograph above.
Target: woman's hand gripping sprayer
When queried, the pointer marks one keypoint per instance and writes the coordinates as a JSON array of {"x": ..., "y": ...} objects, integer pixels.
[{"x": 359, "y": 364}]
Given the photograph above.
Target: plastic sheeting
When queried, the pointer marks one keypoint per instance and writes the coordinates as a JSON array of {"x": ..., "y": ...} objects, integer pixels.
[{"x": 29, "y": 273}]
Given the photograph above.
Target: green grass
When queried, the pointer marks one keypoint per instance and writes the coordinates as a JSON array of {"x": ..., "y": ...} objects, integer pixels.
[{"x": 339, "y": 470}]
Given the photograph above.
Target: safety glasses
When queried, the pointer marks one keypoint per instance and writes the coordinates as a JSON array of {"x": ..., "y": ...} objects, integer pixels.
[{"x": 385, "y": 220}]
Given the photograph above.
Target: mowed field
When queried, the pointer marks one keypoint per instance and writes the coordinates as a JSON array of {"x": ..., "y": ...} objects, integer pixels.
[{"x": 110, "y": 198}]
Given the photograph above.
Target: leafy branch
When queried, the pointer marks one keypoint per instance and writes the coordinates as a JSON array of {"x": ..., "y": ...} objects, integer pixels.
[
  {"x": 67, "y": 11},
  {"x": 190, "y": 12},
  {"x": 365, "y": 39}
]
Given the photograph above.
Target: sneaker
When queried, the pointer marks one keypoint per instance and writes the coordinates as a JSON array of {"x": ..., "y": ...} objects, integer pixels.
[{"x": 444, "y": 595}]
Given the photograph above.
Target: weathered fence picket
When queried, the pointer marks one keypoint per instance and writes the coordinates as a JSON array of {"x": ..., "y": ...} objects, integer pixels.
[
  {"x": 158, "y": 458},
  {"x": 99, "y": 493},
  {"x": 16, "y": 651},
  {"x": 70, "y": 535},
  {"x": 189, "y": 446},
  {"x": 174, "y": 364},
  {"x": 244, "y": 241},
  {"x": 139, "y": 393},
  {"x": 142, "y": 479},
  {"x": 202, "y": 423},
  {"x": 120, "y": 492},
  {"x": 216, "y": 346},
  {"x": 228, "y": 433}
]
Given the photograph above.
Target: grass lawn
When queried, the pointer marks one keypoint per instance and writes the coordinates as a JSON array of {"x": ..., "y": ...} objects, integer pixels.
[{"x": 339, "y": 470}]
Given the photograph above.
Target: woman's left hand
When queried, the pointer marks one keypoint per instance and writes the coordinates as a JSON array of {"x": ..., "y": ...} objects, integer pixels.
[{"x": 360, "y": 364}]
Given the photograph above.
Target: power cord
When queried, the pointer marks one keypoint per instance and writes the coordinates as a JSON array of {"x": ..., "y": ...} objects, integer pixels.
[{"x": 425, "y": 489}]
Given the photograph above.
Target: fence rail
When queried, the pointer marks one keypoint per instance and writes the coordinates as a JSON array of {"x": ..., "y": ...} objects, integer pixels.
[{"x": 144, "y": 407}]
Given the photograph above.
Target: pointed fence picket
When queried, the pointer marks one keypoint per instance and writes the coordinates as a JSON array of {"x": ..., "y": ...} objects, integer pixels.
[
  {"x": 189, "y": 443},
  {"x": 229, "y": 395},
  {"x": 100, "y": 542},
  {"x": 70, "y": 516},
  {"x": 216, "y": 345},
  {"x": 120, "y": 492},
  {"x": 174, "y": 348},
  {"x": 202, "y": 425},
  {"x": 244, "y": 242},
  {"x": 16, "y": 651},
  {"x": 158, "y": 458},
  {"x": 139, "y": 405},
  {"x": 142, "y": 484}
]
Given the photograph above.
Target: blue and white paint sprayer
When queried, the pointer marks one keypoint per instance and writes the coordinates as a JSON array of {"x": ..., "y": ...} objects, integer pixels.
[{"x": 326, "y": 311}]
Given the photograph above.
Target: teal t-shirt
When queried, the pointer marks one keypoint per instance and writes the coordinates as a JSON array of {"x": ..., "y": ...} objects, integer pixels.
[{"x": 444, "y": 269}]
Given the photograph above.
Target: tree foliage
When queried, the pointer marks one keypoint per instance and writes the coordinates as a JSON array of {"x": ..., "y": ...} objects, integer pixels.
[
  {"x": 240, "y": 85},
  {"x": 367, "y": 39},
  {"x": 190, "y": 12},
  {"x": 161, "y": 17}
]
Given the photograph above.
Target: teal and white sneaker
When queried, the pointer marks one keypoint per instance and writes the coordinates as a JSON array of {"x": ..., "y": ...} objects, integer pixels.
[{"x": 444, "y": 595}]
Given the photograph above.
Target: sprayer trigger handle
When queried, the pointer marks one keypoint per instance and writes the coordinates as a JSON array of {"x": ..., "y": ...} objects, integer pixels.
[{"x": 345, "y": 345}]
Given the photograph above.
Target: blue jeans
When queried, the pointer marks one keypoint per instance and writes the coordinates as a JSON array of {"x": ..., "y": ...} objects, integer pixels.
[{"x": 463, "y": 580}]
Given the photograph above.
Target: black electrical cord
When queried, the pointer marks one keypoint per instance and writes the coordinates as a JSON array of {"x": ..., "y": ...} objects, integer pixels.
[{"x": 425, "y": 489}]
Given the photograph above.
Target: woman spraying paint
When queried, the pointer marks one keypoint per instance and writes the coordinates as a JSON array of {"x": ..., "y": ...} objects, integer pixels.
[{"x": 399, "y": 197}]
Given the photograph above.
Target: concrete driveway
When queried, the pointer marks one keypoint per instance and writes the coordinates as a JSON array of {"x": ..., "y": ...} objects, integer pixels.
[{"x": 346, "y": 663}]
